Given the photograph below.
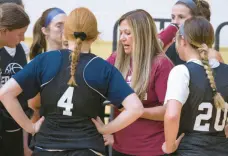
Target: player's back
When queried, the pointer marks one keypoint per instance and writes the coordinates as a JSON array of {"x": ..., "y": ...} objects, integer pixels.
[
  {"x": 202, "y": 123},
  {"x": 68, "y": 110}
]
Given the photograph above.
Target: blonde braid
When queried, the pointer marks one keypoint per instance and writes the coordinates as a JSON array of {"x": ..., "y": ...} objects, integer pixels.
[
  {"x": 218, "y": 99},
  {"x": 74, "y": 62}
]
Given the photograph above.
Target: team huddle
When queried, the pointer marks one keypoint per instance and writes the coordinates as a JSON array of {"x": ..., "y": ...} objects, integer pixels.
[{"x": 169, "y": 90}]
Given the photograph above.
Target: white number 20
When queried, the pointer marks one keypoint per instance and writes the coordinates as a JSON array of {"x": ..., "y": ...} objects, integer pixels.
[
  {"x": 207, "y": 116},
  {"x": 66, "y": 101}
]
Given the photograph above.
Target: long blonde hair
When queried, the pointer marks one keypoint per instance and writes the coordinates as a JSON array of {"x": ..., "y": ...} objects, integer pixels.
[
  {"x": 199, "y": 33},
  {"x": 146, "y": 47},
  {"x": 79, "y": 26}
]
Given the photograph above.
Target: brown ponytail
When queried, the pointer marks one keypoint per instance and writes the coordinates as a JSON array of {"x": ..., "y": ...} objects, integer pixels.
[
  {"x": 39, "y": 42},
  {"x": 203, "y": 9}
]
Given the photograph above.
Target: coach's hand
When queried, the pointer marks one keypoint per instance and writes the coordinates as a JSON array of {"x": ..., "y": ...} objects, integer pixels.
[
  {"x": 37, "y": 125},
  {"x": 108, "y": 139},
  {"x": 175, "y": 145},
  {"x": 99, "y": 124}
]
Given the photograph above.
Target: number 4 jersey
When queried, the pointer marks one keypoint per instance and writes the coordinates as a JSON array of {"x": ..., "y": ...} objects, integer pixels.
[{"x": 68, "y": 110}]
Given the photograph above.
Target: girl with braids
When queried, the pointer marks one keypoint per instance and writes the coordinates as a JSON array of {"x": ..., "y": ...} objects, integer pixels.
[
  {"x": 196, "y": 96},
  {"x": 78, "y": 88},
  {"x": 182, "y": 10},
  {"x": 47, "y": 32}
]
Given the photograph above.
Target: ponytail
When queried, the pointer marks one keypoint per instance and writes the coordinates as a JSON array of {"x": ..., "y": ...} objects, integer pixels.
[
  {"x": 218, "y": 99},
  {"x": 39, "y": 42},
  {"x": 80, "y": 37}
]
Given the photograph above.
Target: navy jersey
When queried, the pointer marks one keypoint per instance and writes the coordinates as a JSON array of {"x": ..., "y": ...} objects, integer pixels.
[
  {"x": 68, "y": 110},
  {"x": 173, "y": 55},
  {"x": 202, "y": 123},
  {"x": 9, "y": 66}
]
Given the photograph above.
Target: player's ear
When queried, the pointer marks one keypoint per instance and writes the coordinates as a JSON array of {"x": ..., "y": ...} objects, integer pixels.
[{"x": 44, "y": 31}]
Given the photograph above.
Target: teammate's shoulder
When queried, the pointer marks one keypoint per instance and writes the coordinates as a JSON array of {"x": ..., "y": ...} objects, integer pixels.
[
  {"x": 53, "y": 54},
  {"x": 223, "y": 66},
  {"x": 180, "y": 69},
  {"x": 99, "y": 62}
]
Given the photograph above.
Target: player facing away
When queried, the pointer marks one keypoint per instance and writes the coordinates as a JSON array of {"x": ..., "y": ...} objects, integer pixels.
[
  {"x": 72, "y": 93},
  {"x": 196, "y": 96}
]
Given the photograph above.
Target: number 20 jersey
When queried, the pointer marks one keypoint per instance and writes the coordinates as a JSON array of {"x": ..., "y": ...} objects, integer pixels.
[{"x": 199, "y": 114}]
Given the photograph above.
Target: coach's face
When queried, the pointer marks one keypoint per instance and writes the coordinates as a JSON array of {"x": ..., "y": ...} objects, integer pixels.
[{"x": 126, "y": 37}]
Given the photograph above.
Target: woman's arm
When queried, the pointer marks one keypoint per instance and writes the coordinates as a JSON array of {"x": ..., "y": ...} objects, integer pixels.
[
  {"x": 154, "y": 113},
  {"x": 161, "y": 69},
  {"x": 34, "y": 104},
  {"x": 27, "y": 150},
  {"x": 171, "y": 124},
  {"x": 133, "y": 109},
  {"x": 176, "y": 96},
  {"x": 8, "y": 96},
  {"x": 213, "y": 54}
]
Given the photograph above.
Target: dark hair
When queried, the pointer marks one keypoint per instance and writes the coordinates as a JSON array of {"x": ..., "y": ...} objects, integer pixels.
[
  {"x": 202, "y": 8},
  {"x": 13, "y": 16},
  {"x": 19, "y": 2},
  {"x": 39, "y": 42},
  {"x": 199, "y": 33}
]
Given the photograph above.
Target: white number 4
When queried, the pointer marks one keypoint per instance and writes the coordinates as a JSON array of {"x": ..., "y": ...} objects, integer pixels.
[{"x": 66, "y": 101}]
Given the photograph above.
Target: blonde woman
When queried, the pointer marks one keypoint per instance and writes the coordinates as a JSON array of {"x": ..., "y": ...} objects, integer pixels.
[
  {"x": 72, "y": 92},
  {"x": 145, "y": 68}
]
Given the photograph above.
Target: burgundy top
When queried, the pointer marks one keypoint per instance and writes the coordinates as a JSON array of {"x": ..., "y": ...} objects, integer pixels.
[{"x": 145, "y": 137}]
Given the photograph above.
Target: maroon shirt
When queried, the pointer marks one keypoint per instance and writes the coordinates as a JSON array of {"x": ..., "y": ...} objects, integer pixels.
[{"x": 145, "y": 137}]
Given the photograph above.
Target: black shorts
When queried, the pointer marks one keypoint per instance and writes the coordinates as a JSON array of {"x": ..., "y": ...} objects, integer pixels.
[
  {"x": 202, "y": 145},
  {"x": 11, "y": 143},
  {"x": 83, "y": 152}
]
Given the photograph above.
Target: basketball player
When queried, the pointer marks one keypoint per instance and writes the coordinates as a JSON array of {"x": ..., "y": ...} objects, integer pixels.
[
  {"x": 182, "y": 10},
  {"x": 14, "y": 23},
  {"x": 72, "y": 94},
  {"x": 196, "y": 95},
  {"x": 48, "y": 31}
]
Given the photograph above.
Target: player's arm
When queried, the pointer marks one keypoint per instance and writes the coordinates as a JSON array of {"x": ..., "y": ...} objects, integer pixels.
[
  {"x": 176, "y": 95},
  {"x": 25, "y": 80},
  {"x": 34, "y": 104},
  {"x": 8, "y": 96},
  {"x": 108, "y": 80},
  {"x": 27, "y": 150},
  {"x": 166, "y": 36},
  {"x": 133, "y": 109},
  {"x": 160, "y": 79},
  {"x": 213, "y": 54}
]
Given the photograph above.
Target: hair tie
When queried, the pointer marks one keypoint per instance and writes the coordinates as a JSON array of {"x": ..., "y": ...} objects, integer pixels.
[
  {"x": 80, "y": 35},
  {"x": 214, "y": 91}
]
